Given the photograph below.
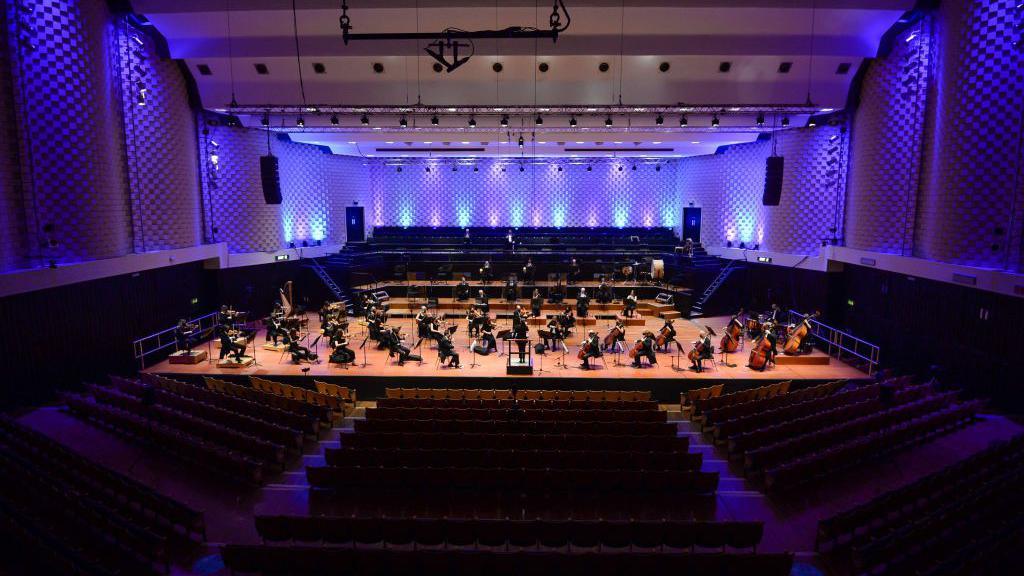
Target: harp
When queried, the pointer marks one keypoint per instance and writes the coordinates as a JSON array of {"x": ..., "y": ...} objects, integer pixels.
[{"x": 287, "y": 297}]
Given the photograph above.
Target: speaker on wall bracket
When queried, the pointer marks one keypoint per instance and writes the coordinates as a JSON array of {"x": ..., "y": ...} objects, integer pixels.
[
  {"x": 773, "y": 181},
  {"x": 270, "y": 176}
]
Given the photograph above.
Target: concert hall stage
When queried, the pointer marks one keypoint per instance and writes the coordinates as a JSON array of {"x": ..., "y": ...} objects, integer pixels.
[{"x": 666, "y": 379}]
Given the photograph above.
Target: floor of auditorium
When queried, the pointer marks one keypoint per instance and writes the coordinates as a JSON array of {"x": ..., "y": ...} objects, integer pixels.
[
  {"x": 790, "y": 523},
  {"x": 371, "y": 362}
]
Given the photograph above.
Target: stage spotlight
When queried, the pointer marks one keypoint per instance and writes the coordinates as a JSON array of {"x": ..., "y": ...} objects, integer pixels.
[
  {"x": 743, "y": 245},
  {"x": 504, "y": 120},
  {"x": 833, "y": 138},
  {"x": 399, "y": 169},
  {"x": 659, "y": 120},
  {"x": 715, "y": 121},
  {"x": 539, "y": 120},
  {"x": 291, "y": 244},
  {"x": 521, "y": 141},
  {"x": 521, "y": 168},
  {"x": 572, "y": 122},
  {"x": 476, "y": 168},
  {"x": 472, "y": 122},
  {"x": 728, "y": 243},
  {"x": 620, "y": 168},
  {"x": 634, "y": 167},
  {"x": 305, "y": 244},
  {"x": 760, "y": 119},
  {"x": 785, "y": 121},
  {"x": 434, "y": 120},
  {"x": 319, "y": 242},
  {"x": 265, "y": 120},
  {"x": 403, "y": 122},
  {"x": 455, "y": 168},
  {"x": 756, "y": 246},
  {"x": 334, "y": 119},
  {"x": 428, "y": 168},
  {"x": 300, "y": 122},
  {"x": 683, "y": 121},
  {"x": 608, "y": 121},
  {"x": 364, "y": 120},
  {"x": 657, "y": 168}
]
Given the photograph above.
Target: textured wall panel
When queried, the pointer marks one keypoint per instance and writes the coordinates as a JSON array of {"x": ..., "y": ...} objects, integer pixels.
[
  {"x": 73, "y": 155},
  {"x": 553, "y": 193},
  {"x": 970, "y": 178},
  {"x": 348, "y": 182},
  {"x": 161, "y": 148},
  {"x": 728, "y": 187},
  {"x": 886, "y": 146},
  {"x": 234, "y": 194},
  {"x": 12, "y": 217}
]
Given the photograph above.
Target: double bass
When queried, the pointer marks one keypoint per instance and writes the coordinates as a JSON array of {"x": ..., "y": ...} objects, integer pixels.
[
  {"x": 759, "y": 353},
  {"x": 797, "y": 335},
  {"x": 731, "y": 340}
]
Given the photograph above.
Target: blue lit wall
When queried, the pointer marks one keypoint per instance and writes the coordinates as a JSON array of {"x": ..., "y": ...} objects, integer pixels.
[{"x": 556, "y": 192}]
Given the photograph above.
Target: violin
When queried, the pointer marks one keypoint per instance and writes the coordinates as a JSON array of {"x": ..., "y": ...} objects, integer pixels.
[
  {"x": 731, "y": 340},
  {"x": 759, "y": 353},
  {"x": 797, "y": 335}
]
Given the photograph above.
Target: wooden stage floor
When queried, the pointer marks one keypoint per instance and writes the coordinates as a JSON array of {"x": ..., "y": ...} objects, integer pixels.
[{"x": 378, "y": 365}]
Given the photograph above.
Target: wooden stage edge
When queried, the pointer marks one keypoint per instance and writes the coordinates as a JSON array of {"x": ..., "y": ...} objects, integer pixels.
[{"x": 664, "y": 380}]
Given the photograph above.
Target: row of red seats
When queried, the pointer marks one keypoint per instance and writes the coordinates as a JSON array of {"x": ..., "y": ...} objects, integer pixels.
[
  {"x": 507, "y": 534},
  {"x": 713, "y": 416},
  {"x": 429, "y": 440},
  {"x": 132, "y": 497},
  {"x": 841, "y": 407},
  {"x": 525, "y": 403},
  {"x": 727, "y": 430},
  {"x": 167, "y": 439},
  {"x": 77, "y": 518},
  {"x": 929, "y": 539},
  {"x": 299, "y": 422},
  {"x": 519, "y": 480},
  {"x": 300, "y": 559},
  {"x": 841, "y": 429},
  {"x": 274, "y": 433},
  {"x": 299, "y": 407},
  {"x": 717, "y": 402},
  {"x": 856, "y": 449},
  {"x": 517, "y": 427},
  {"x": 902, "y": 505},
  {"x": 510, "y": 458},
  {"x": 212, "y": 432},
  {"x": 542, "y": 415}
]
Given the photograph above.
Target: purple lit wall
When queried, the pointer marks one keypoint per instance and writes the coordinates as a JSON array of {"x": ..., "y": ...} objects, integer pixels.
[
  {"x": 556, "y": 192},
  {"x": 937, "y": 153},
  {"x": 314, "y": 185},
  {"x": 728, "y": 188},
  {"x": 72, "y": 140},
  {"x": 161, "y": 148},
  {"x": 12, "y": 229}
]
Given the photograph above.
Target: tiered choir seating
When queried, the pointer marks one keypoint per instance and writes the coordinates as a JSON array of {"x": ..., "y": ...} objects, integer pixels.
[
  {"x": 285, "y": 400},
  {"x": 307, "y": 559},
  {"x": 70, "y": 515},
  {"x": 688, "y": 399},
  {"x": 708, "y": 411},
  {"x": 335, "y": 404},
  {"x": 960, "y": 520},
  {"x": 724, "y": 421}
]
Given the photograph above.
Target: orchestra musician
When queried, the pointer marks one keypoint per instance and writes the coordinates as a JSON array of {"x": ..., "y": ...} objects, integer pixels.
[
  {"x": 667, "y": 334},
  {"x": 510, "y": 289},
  {"x": 646, "y": 349},
  {"x": 773, "y": 317},
  {"x": 228, "y": 343},
  {"x": 299, "y": 353},
  {"x": 529, "y": 272},
  {"x": 520, "y": 332},
  {"x": 555, "y": 329},
  {"x": 733, "y": 331},
  {"x": 536, "y": 303},
  {"x": 519, "y": 315},
  {"x": 186, "y": 335},
  {"x": 462, "y": 290},
  {"x": 582, "y": 303},
  {"x": 590, "y": 349},
  {"x": 510, "y": 241},
  {"x": 567, "y": 320},
  {"x": 630, "y": 302},
  {"x": 485, "y": 272},
  {"x": 393, "y": 340},
  {"x": 688, "y": 247},
  {"x": 574, "y": 271},
  {"x": 481, "y": 302},
  {"x": 423, "y": 322},
  {"x": 446, "y": 351},
  {"x": 275, "y": 323},
  {"x": 375, "y": 325},
  {"x": 620, "y": 330},
  {"x": 487, "y": 335},
  {"x": 473, "y": 319},
  {"x": 773, "y": 340},
  {"x": 369, "y": 302},
  {"x": 342, "y": 353},
  {"x": 604, "y": 292},
  {"x": 703, "y": 350}
]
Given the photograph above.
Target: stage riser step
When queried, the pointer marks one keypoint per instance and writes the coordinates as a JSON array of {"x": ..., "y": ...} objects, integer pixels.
[{"x": 815, "y": 360}]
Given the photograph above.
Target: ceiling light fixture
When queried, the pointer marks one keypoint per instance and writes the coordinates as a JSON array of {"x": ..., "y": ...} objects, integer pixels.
[
  {"x": 659, "y": 120},
  {"x": 683, "y": 121},
  {"x": 608, "y": 121}
]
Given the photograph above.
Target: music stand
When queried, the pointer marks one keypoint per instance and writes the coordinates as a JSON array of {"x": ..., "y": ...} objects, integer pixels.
[
  {"x": 565, "y": 350},
  {"x": 363, "y": 346},
  {"x": 677, "y": 360}
]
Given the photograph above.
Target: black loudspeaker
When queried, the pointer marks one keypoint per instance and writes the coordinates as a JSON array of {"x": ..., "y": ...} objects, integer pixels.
[
  {"x": 270, "y": 175},
  {"x": 773, "y": 181}
]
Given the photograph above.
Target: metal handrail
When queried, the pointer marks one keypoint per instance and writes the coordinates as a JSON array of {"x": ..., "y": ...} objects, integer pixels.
[
  {"x": 158, "y": 341},
  {"x": 840, "y": 341}
]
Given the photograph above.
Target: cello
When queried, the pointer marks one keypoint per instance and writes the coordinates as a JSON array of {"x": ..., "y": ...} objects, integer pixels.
[
  {"x": 662, "y": 337},
  {"x": 698, "y": 349},
  {"x": 613, "y": 335},
  {"x": 583, "y": 350},
  {"x": 637, "y": 348},
  {"x": 797, "y": 335},
  {"x": 731, "y": 341}
]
